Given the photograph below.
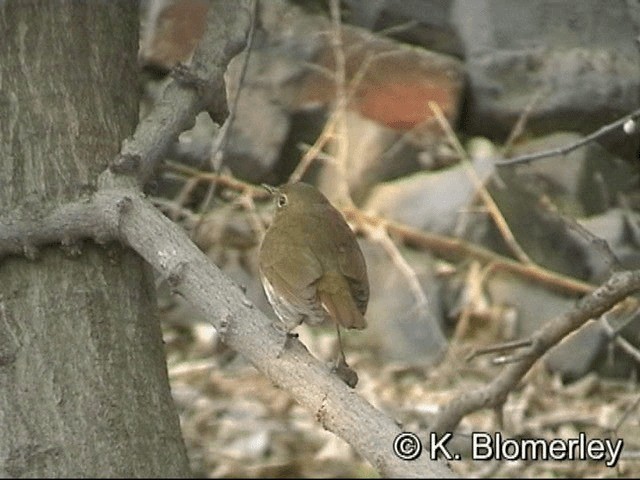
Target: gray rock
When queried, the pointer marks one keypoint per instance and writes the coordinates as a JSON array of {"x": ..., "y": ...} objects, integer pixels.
[
  {"x": 430, "y": 201},
  {"x": 580, "y": 56},
  {"x": 396, "y": 323},
  {"x": 577, "y": 355},
  {"x": 427, "y": 23},
  {"x": 620, "y": 229},
  {"x": 256, "y": 138},
  {"x": 535, "y": 306},
  {"x": 285, "y": 41},
  {"x": 582, "y": 182}
]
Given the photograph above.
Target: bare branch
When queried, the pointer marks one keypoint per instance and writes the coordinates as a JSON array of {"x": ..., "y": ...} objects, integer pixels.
[
  {"x": 380, "y": 236},
  {"x": 518, "y": 128},
  {"x": 221, "y": 140},
  {"x": 219, "y": 145},
  {"x": 619, "y": 341},
  {"x": 455, "y": 249},
  {"x": 605, "y": 297},
  {"x": 175, "y": 111},
  {"x": 125, "y": 216},
  {"x": 502, "y": 347},
  {"x": 572, "y": 146},
  {"x": 626, "y": 414},
  {"x": 599, "y": 244},
  {"x": 227, "y": 181}
]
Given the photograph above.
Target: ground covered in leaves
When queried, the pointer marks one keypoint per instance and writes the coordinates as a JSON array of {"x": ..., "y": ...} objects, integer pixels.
[{"x": 237, "y": 424}]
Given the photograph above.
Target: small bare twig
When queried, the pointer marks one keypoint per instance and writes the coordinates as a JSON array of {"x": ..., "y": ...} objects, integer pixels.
[
  {"x": 572, "y": 146},
  {"x": 493, "y": 209},
  {"x": 518, "y": 128},
  {"x": 379, "y": 235},
  {"x": 502, "y": 347},
  {"x": 514, "y": 358},
  {"x": 455, "y": 249},
  {"x": 312, "y": 153},
  {"x": 179, "y": 212},
  {"x": 626, "y": 414},
  {"x": 183, "y": 197},
  {"x": 246, "y": 201},
  {"x": 397, "y": 28},
  {"x": 619, "y": 341},
  {"x": 329, "y": 132},
  {"x": 596, "y": 242},
  {"x": 220, "y": 142},
  {"x": 227, "y": 181}
]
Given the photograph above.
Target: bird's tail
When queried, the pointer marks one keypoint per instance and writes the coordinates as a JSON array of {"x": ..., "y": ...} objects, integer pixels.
[{"x": 335, "y": 296}]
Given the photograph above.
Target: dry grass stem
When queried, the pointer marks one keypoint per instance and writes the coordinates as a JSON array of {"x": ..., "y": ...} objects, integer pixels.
[
  {"x": 492, "y": 208},
  {"x": 518, "y": 128},
  {"x": 379, "y": 235}
]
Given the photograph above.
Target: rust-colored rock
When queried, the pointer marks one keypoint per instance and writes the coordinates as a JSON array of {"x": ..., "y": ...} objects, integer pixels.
[
  {"x": 397, "y": 82},
  {"x": 173, "y": 32}
]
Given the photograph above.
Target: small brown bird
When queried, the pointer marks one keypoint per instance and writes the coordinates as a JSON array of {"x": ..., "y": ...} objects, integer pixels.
[{"x": 311, "y": 266}]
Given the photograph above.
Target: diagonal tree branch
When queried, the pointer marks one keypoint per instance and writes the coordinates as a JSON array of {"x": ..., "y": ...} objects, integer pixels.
[
  {"x": 123, "y": 215},
  {"x": 605, "y": 297}
]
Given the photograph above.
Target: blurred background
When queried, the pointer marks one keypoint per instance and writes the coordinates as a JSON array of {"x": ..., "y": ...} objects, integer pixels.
[{"x": 410, "y": 104}]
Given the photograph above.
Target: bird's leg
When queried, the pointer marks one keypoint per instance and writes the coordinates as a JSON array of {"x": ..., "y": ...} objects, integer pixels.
[
  {"x": 341, "y": 368},
  {"x": 341, "y": 360}
]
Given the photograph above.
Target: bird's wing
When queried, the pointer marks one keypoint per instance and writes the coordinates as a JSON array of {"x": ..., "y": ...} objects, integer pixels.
[
  {"x": 298, "y": 261},
  {"x": 350, "y": 261}
]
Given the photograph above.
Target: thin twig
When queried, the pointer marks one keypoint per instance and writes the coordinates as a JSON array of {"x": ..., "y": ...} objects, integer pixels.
[
  {"x": 329, "y": 130},
  {"x": 311, "y": 154},
  {"x": 341, "y": 136},
  {"x": 379, "y": 235},
  {"x": 397, "y": 28},
  {"x": 514, "y": 358},
  {"x": 572, "y": 146},
  {"x": 170, "y": 207},
  {"x": 599, "y": 244},
  {"x": 456, "y": 249},
  {"x": 183, "y": 196},
  {"x": 626, "y": 414},
  {"x": 493, "y": 209},
  {"x": 518, "y": 128},
  {"x": 502, "y": 347},
  {"x": 220, "y": 142},
  {"x": 246, "y": 201},
  {"x": 619, "y": 341},
  {"x": 227, "y": 181}
]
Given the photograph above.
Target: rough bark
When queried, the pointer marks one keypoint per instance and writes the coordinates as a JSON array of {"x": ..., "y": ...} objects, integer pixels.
[{"x": 83, "y": 381}]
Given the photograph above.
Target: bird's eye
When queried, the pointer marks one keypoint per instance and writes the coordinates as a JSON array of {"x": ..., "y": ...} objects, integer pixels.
[{"x": 282, "y": 200}]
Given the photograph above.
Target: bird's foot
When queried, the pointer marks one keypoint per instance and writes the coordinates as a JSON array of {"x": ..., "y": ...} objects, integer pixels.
[{"x": 345, "y": 372}]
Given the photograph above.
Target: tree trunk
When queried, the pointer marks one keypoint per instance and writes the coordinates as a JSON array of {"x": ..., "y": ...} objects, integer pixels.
[{"x": 83, "y": 382}]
